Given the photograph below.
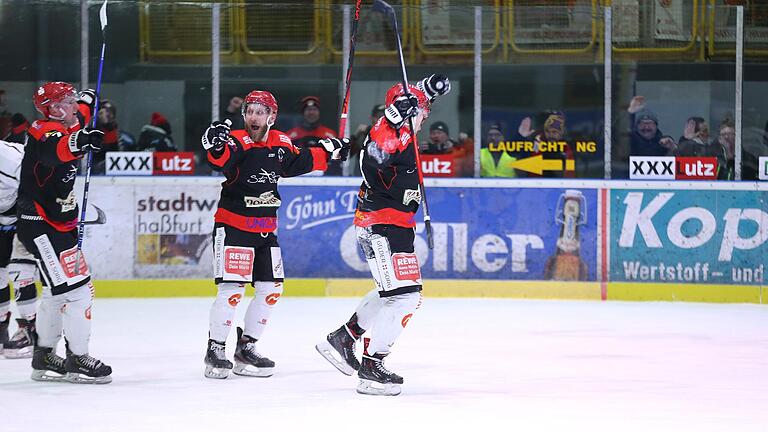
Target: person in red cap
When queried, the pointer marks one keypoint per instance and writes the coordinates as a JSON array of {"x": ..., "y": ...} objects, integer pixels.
[
  {"x": 245, "y": 246},
  {"x": 311, "y": 131},
  {"x": 156, "y": 136},
  {"x": 385, "y": 224},
  {"x": 47, "y": 227}
]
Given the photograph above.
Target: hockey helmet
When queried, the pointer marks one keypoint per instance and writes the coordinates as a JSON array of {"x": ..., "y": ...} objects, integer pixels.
[
  {"x": 397, "y": 90},
  {"x": 52, "y": 92},
  {"x": 262, "y": 98}
]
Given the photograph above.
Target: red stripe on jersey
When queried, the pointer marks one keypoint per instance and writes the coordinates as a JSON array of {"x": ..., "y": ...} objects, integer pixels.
[
  {"x": 319, "y": 158},
  {"x": 62, "y": 150},
  {"x": 58, "y": 226},
  {"x": 246, "y": 223},
  {"x": 386, "y": 216},
  {"x": 221, "y": 160}
]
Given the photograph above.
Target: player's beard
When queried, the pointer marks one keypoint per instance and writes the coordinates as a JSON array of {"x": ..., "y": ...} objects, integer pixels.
[{"x": 257, "y": 132}]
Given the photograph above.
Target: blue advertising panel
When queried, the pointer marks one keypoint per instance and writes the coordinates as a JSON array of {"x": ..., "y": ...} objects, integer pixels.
[
  {"x": 480, "y": 233},
  {"x": 694, "y": 236}
]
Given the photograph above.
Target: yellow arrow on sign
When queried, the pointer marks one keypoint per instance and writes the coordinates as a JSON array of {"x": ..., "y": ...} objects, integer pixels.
[{"x": 537, "y": 164}]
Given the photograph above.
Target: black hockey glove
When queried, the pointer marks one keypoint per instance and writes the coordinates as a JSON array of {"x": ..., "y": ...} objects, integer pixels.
[
  {"x": 338, "y": 148},
  {"x": 85, "y": 140},
  {"x": 404, "y": 107},
  {"x": 88, "y": 97},
  {"x": 216, "y": 137},
  {"x": 434, "y": 85}
]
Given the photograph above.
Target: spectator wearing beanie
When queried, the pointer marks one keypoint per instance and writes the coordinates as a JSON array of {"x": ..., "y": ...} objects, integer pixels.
[
  {"x": 156, "y": 136},
  {"x": 311, "y": 131},
  {"x": 114, "y": 138},
  {"x": 439, "y": 139}
]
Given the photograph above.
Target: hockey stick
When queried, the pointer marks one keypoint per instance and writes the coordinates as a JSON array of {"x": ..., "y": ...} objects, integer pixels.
[
  {"x": 427, "y": 218},
  {"x": 81, "y": 224},
  {"x": 101, "y": 217},
  {"x": 348, "y": 80}
]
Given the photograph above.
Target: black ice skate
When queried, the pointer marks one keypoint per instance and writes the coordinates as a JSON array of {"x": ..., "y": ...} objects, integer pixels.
[
  {"x": 339, "y": 350},
  {"x": 216, "y": 364},
  {"x": 47, "y": 366},
  {"x": 248, "y": 362},
  {"x": 21, "y": 344},
  {"x": 84, "y": 369},
  {"x": 4, "y": 331},
  {"x": 375, "y": 379}
]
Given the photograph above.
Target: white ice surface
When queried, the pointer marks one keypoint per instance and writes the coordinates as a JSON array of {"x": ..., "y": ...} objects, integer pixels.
[{"x": 469, "y": 364}]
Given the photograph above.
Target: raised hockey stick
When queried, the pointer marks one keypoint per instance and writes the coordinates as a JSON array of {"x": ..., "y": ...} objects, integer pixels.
[
  {"x": 348, "y": 79},
  {"x": 427, "y": 219},
  {"x": 81, "y": 224}
]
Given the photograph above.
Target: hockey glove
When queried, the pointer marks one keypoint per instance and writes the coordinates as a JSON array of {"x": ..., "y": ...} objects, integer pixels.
[
  {"x": 434, "y": 85},
  {"x": 216, "y": 137},
  {"x": 85, "y": 140},
  {"x": 404, "y": 107},
  {"x": 87, "y": 97},
  {"x": 338, "y": 148}
]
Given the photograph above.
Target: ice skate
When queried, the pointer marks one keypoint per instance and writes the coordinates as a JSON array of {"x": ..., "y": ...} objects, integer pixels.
[
  {"x": 4, "y": 331},
  {"x": 47, "y": 366},
  {"x": 21, "y": 344},
  {"x": 375, "y": 379},
  {"x": 248, "y": 362},
  {"x": 339, "y": 350},
  {"x": 84, "y": 369},
  {"x": 216, "y": 364}
]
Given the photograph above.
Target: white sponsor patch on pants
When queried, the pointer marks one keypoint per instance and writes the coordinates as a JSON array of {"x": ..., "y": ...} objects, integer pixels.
[
  {"x": 278, "y": 272},
  {"x": 218, "y": 252},
  {"x": 50, "y": 260}
]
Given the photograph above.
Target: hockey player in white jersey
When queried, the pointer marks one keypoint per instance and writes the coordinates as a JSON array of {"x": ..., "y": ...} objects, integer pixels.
[{"x": 17, "y": 265}]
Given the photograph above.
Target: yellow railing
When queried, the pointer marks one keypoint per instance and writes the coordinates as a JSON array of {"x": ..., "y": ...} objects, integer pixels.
[{"x": 281, "y": 28}]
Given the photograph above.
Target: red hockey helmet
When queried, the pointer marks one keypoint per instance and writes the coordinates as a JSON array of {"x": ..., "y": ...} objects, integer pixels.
[
  {"x": 397, "y": 90},
  {"x": 51, "y": 92},
  {"x": 262, "y": 98}
]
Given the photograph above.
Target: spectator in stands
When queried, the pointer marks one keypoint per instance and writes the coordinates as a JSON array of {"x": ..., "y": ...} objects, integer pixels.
[
  {"x": 13, "y": 128},
  {"x": 646, "y": 139},
  {"x": 234, "y": 114},
  {"x": 439, "y": 140},
  {"x": 311, "y": 131},
  {"x": 553, "y": 131},
  {"x": 358, "y": 138},
  {"x": 695, "y": 139},
  {"x": 156, "y": 136},
  {"x": 495, "y": 160},
  {"x": 114, "y": 138}
]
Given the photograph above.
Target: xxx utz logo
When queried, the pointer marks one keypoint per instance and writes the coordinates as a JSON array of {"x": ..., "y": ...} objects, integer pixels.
[
  {"x": 405, "y": 320},
  {"x": 272, "y": 298},
  {"x": 234, "y": 299}
]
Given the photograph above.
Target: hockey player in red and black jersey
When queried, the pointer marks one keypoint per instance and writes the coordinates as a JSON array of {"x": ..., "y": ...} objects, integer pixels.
[
  {"x": 246, "y": 249},
  {"x": 389, "y": 198},
  {"x": 47, "y": 227}
]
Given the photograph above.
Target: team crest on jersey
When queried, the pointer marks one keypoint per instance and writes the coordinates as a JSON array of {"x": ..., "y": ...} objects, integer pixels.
[
  {"x": 267, "y": 199},
  {"x": 67, "y": 204},
  {"x": 412, "y": 195},
  {"x": 280, "y": 154},
  {"x": 263, "y": 177}
]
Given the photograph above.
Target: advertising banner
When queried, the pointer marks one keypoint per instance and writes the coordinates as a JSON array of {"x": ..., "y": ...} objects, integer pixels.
[
  {"x": 162, "y": 229},
  {"x": 696, "y": 236},
  {"x": 529, "y": 234}
]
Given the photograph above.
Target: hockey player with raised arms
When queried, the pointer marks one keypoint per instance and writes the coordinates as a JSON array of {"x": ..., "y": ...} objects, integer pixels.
[
  {"x": 17, "y": 265},
  {"x": 47, "y": 227},
  {"x": 387, "y": 203},
  {"x": 245, "y": 248}
]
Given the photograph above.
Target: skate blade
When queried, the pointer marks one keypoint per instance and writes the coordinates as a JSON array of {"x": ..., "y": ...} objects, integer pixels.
[
  {"x": 326, "y": 350},
  {"x": 47, "y": 376},
  {"x": 374, "y": 388},
  {"x": 244, "y": 369},
  {"x": 78, "y": 378},
  {"x": 216, "y": 373},
  {"x": 21, "y": 353}
]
